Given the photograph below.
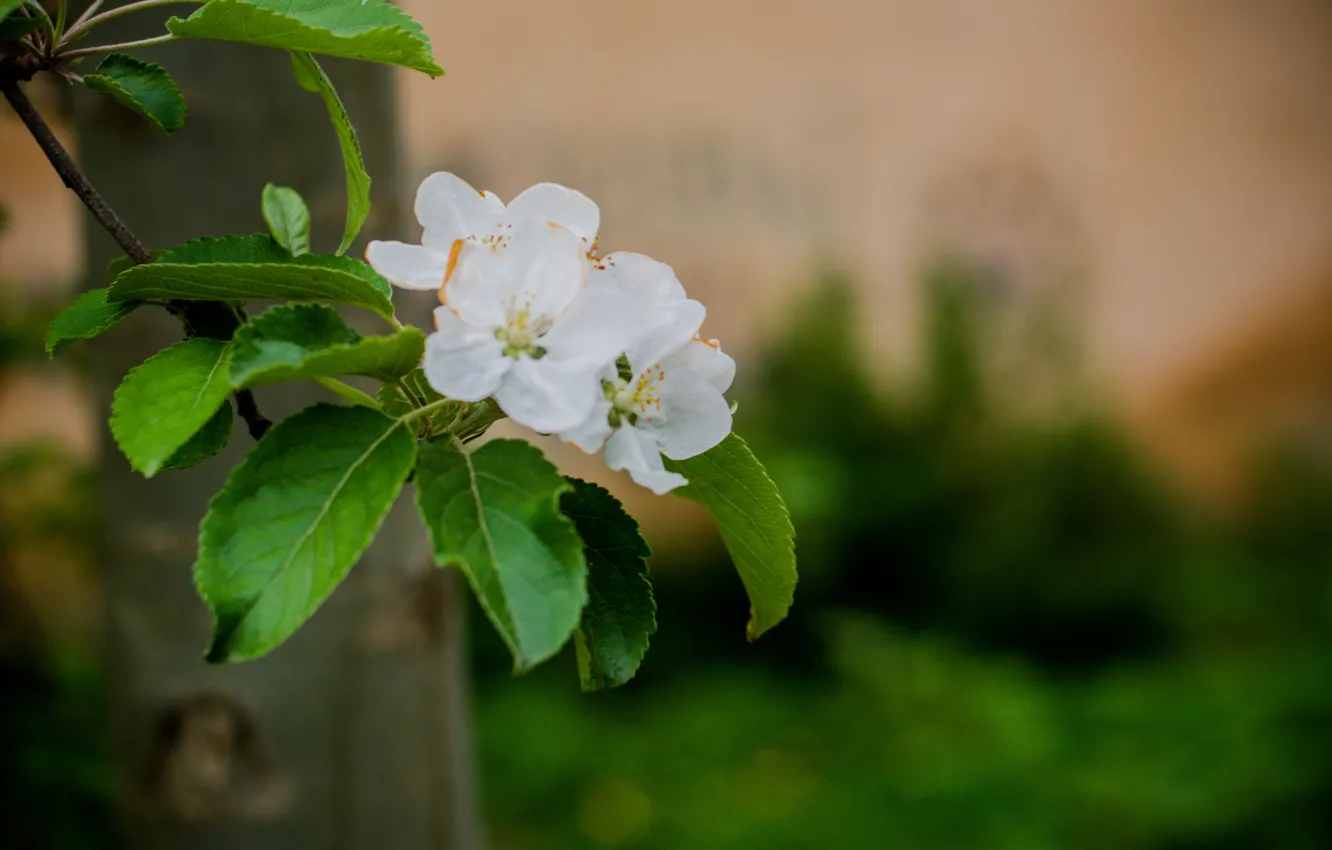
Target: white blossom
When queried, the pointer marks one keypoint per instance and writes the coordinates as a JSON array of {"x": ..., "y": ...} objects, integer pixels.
[
  {"x": 449, "y": 210},
  {"x": 520, "y": 323}
]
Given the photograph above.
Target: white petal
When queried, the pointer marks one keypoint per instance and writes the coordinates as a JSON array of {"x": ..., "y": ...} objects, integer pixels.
[
  {"x": 708, "y": 360},
  {"x": 463, "y": 361},
  {"x": 635, "y": 450},
  {"x": 542, "y": 268},
  {"x": 553, "y": 202},
  {"x": 674, "y": 329},
  {"x": 548, "y": 396},
  {"x": 449, "y": 209},
  {"x": 590, "y": 434},
  {"x": 595, "y": 329},
  {"x": 642, "y": 278},
  {"x": 408, "y": 266},
  {"x": 693, "y": 418}
]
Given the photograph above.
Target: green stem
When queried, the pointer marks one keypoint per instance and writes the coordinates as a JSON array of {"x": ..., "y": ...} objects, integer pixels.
[
  {"x": 87, "y": 22},
  {"x": 47, "y": 24},
  {"x": 61, "y": 8},
  {"x": 113, "y": 48},
  {"x": 434, "y": 405},
  {"x": 348, "y": 392}
]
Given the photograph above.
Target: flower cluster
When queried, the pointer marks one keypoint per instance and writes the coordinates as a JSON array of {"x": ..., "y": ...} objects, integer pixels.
[{"x": 603, "y": 351}]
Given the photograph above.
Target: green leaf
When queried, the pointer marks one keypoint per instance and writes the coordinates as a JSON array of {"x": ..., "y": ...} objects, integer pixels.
[
  {"x": 312, "y": 77},
  {"x": 292, "y": 521},
  {"x": 288, "y": 218},
  {"x": 239, "y": 268},
  {"x": 370, "y": 30},
  {"x": 207, "y": 441},
  {"x": 90, "y": 315},
  {"x": 293, "y": 342},
  {"x": 754, "y": 523},
  {"x": 412, "y": 391},
  {"x": 15, "y": 28},
  {"x": 620, "y": 616},
  {"x": 7, "y": 6},
  {"x": 495, "y": 513},
  {"x": 165, "y": 400},
  {"x": 142, "y": 86}
]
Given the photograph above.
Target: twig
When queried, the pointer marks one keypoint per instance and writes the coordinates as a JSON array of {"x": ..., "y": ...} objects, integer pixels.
[
  {"x": 69, "y": 172},
  {"x": 203, "y": 318},
  {"x": 112, "y": 48},
  {"x": 88, "y": 20}
]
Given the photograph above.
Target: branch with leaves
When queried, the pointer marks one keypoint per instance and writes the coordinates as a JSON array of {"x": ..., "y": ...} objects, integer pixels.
[{"x": 529, "y": 330}]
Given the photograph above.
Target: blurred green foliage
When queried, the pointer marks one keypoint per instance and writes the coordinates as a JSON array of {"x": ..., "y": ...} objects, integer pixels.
[{"x": 1009, "y": 634}]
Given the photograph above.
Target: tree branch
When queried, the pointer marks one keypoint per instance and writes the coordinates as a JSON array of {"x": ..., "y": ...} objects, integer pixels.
[{"x": 201, "y": 318}]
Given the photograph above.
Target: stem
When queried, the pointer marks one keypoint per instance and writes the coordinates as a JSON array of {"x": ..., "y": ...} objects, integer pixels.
[
  {"x": 69, "y": 172},
  {"x": 113, "y": 48},
  {"x": 47, "y": 24},
  {"x": 412, "y": 414},
  {"x": 62, "y": 7},
  {"x": 347, "y": 392},
  {"x": 87, "y": 13},
  {"x": 195, "y": 315},
  {"x": 88, "y": 21}
]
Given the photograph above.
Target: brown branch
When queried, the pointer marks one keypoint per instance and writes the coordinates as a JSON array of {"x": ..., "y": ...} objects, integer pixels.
[{"x": 201, "y": 318}]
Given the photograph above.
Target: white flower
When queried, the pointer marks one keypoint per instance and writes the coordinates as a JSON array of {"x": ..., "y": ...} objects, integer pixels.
[
  {"x": 450, "y": 209},
  {"x": 668, "y": 402},
  {"x": 520, "y": 324}
]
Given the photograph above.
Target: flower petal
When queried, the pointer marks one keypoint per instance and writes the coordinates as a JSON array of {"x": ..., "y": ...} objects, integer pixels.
[
  {"x": 408, "y": 266},
  {"x": 694, "y": 417},
  {"x": 706, "y": 358},
  {"x": 541, "y": 269},
  {"x": 674, "y": 328},
  {"x": 463, "y": 361},
  {"x": 642, "y": 278},
  {"x": 590, "y": 434},
  {"x": 636, "y": 450},
  {"x": 547, "y": 395},
  {"x": 595, "y": 329},
  {"x": 553, "y": 202},
  {"x": 449, "y": 209}
]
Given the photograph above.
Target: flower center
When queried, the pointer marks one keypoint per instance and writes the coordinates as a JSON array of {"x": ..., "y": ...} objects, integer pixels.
[
  {"x": 634, "y": 398},
  {"x": 521, "y": 331}
]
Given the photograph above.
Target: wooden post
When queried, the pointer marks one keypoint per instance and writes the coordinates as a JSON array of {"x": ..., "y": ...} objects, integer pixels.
[{"x": 354, "y": 734}]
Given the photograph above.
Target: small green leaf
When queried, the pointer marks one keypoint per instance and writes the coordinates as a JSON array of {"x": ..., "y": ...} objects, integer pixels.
[
  {"x": 620, "y": 616},
  {"x": 754, "y": 523},
  {"x": 90, "y": 315},
  {"x": 411, "y": 391},
  {"x": 7, "y": 6},
  {"x": 312, "y": 77},
  {"x": 142, "y": 86},
  {"x": 165, "y": 400},
  {"x": 292, "y": 521},
  {"x": 292, "y": 342},
  {"x": 288, "y": 218},
  {"x": 495, "y": 513},
  {"x": 207, "y": 441},
  {"x": 239, "y": 268},
  {"x": 15, "y": 28},
  {"x": 370, "y": 30}
]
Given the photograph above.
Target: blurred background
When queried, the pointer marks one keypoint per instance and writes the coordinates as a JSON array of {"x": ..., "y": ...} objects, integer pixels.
[{"x": 1032, "y": 303}]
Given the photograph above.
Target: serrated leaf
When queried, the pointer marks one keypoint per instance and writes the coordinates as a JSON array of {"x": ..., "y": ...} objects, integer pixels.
[
  {"x": 165, "y": 400},
  {"x": 620, "y": 615},
  {"x": 754, "y": 524},
  {"x": 312, "y": 77},
  {"x": 412, "y": 391},
  {"x": 292, "y": 521},
  {"x": 144, "y": 87},
  {"x": 288, "y": 218},
  {"x": 206, "y": 442},
  {"x": 293, "y": 342},
  {"x": 90, "y": 315},
  {"x": 239, "y": 268},
  {"x": 15, "y": 28},
  {"x": 370, "y": 30},
  {"x": 495, "y": 514}
]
